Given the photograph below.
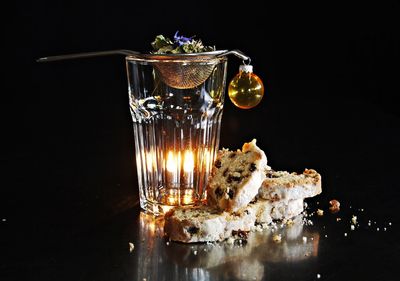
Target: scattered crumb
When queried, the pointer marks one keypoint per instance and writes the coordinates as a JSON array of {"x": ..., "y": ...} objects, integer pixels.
[
  {"x": 257, "y": 228},
  {"x": 377, "y": 229},
  {"x": 4, "y": 219},
  {"x": 326, "y": 235},
  {"x": 304, "y": 239},
  {"x": 241, "y": 234},
  {"x": 277, "y": 238},
  {"x": 352, "y": 227},
  {"x": 317, "y": 202},
  {"x": 354, "y": 219},
  {"x": 205, "y": 250},
  {"x": 338, "y": 219},
  {"x": 345, "y": 234},
  {"x": 369, "y": 223},
  {"x": 362, "y": 210},
  {"x": 390, "y": 223},
  {"x": 131, "y": 247},
  {"x": 144, "y": 279},
  {"x": 167, "y": 243},
  {"x": 335, "y": 206},
  {"x": 312, "y": 238},
  {"x": 320, "y": 212},
  {"x": 195, "y": 252},
  {"x": 384, "y": 229},
  {"x": 318, "y": 276},
  {"x": 230, "y": 241}
]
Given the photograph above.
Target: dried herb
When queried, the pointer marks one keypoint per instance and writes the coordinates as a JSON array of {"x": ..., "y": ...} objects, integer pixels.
[{"x": 180, "y": 44}]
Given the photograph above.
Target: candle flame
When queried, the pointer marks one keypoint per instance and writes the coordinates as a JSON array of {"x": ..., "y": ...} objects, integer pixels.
[
  {"x": 171, "y": 162},
  {"x": 188, "y": 164},
  {"x": 174, "y": 161}
]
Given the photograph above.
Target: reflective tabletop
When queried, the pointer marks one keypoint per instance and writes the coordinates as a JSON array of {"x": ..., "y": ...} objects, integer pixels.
[{"x": 72, "y": 209}]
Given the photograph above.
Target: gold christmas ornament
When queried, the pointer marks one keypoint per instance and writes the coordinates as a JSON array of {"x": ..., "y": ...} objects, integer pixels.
[{"x": 246, "y": 89}]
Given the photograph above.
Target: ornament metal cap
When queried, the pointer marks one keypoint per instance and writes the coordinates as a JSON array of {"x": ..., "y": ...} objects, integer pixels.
[{"x": 246, "y": 68}]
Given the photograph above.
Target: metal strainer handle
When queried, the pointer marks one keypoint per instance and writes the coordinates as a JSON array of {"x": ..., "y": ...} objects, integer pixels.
[
  {"x": 124, "y": 52},
  {"x": 237, "y": 53},
  {"x": 175, "y": 74},
  {"x": 88, "y": 55}
]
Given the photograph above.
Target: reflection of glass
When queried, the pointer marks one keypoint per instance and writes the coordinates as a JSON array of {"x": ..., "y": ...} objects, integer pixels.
[
  {"x": 153, "y": 262},
  {"x": 176, "y": 128}
]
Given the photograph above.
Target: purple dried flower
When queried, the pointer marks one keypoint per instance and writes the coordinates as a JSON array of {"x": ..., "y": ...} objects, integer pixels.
[{"x": 181, "y": 40}]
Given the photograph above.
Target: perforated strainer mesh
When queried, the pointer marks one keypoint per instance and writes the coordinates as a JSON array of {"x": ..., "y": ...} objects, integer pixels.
[{"x": 184, "y": 71}]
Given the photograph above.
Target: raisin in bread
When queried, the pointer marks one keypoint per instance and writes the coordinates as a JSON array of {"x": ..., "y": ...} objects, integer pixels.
[
  {"x": 236, "y": 177},
  {"x": 206, "y": 224},
  {"x": 281, "y": 185},
  {"x": 268, "y": 211}
]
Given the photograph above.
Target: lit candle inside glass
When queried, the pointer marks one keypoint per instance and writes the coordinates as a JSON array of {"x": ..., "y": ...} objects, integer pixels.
[
  {"x": 188, "y": 167},
  {"x": 180, "y": 174},
  {"x": 173, "y": 169}
]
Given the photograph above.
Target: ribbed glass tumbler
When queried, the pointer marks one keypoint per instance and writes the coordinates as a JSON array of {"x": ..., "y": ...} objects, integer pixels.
[{"x": 176, "y": 104}]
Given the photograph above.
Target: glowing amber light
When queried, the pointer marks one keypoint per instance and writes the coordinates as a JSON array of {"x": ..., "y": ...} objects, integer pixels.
[
  {"x": 174, "y": 161},
  {"x": 187, "y": 197},
  {"x": 172, "y": 200},
  {"x": 188, "y": 163},
  {"x": 171, "y": 162}
]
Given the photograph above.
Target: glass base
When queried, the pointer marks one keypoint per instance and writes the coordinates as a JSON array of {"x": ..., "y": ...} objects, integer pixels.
[
  {"x": 155, "y": 208},
  {"x": 167, "y": 199}
]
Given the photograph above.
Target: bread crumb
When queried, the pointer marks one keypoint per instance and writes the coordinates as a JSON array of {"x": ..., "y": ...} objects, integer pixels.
[
  {"x": 277, "y": 238},
  {"x": 338, "y": 219},
  {"x": 377, "y": 229},
  {"x": 4, "y": 219},
  {"x": 230, "y": 241},
  {"x": 167, "y": 243},
  {"x": 131, "y": 247},
  {"x": 320, "y": 212},
  {"x": 195, "y": 252},
  {"x": 354, "y": 219},
  {"x": 304, "y": 239},
  {"x": 335, "y": 206},
  {"x": 326, "y": 235},
  {"x": 345, "y": 234},
  {"x": 384, "y": 229},
  {"x": 352, "y": 227},
  {"x": 390, "y": 223},
  {"x": 318, "y": 276}
]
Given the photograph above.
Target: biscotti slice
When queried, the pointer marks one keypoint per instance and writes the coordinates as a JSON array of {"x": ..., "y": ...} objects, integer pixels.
[
  {"x": 206, "y": 224},
  {"x": 236, "y": 177},
  {"x": 267, "y": 211},
  {"x": 281, "y": 185}
]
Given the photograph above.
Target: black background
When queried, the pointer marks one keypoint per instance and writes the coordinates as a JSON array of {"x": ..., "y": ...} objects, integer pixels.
[{"x": 331, "y": 77}]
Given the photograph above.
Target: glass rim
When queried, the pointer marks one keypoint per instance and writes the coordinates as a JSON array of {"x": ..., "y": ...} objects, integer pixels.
[{"x": 203, "y": 57}]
